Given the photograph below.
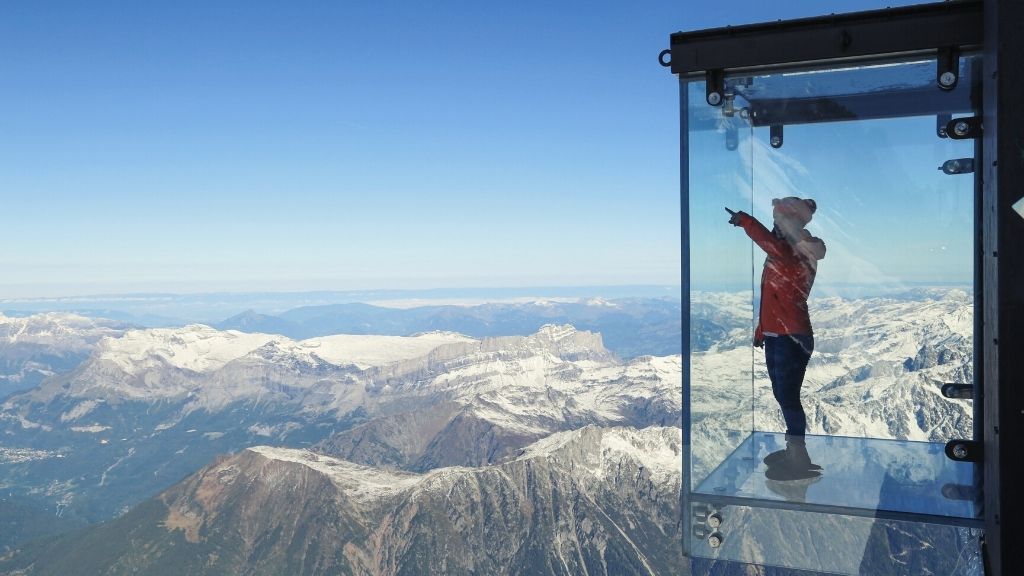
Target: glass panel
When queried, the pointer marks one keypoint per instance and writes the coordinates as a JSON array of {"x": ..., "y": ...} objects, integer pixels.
[
  {"x": 721, "y": 308},
  {"x": 894, "y": 477},
  {"x": 829, "y": 543},
  {"x": 892, "y": 305},
  {"x": 854, "y": 264}
]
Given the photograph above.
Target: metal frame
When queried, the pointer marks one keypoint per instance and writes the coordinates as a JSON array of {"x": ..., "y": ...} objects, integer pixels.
[
  {"x": 1002, "y": 314},
  {"x": 934, "y": 29},
  {"x": 913, "y": 29}
]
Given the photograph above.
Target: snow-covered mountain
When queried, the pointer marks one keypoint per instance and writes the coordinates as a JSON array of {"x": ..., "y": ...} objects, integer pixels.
[
  {"x": 35, "y": 347},
  {"x": 594, "y": 501},
  {"x": 629, "y": 326},
  {"x": 154, "y": 405},
  {"x": 877, "y": 371}
]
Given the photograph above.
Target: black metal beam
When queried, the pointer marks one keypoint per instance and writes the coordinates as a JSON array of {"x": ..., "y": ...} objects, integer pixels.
[
  {"x": 869, "y": 106},
  {"x": 1003, "y": 268},
  {"x": 906, "y": 30},
  {"x": 684, "y": 281}
]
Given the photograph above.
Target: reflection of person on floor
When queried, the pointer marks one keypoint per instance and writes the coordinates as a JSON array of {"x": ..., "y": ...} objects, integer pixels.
[
  {"x": 784, "y": 326},
  {"x": 792, "y": 490}
]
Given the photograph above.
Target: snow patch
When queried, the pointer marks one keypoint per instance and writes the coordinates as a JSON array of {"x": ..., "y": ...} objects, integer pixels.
[
  {"x": 360, "y": 483},
  {"x": 92, "y": 429}
]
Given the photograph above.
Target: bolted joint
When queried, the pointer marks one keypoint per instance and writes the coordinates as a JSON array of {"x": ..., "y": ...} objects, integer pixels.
[
  {"x": 714, "y": 81},
  {"x": 947, "y": 72},
  {"x": 964, "y": 450},
  {"x": 964, "y": 128}
]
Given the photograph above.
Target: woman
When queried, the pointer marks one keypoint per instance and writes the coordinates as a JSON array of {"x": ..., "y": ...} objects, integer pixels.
[{"x": 784, "y": 324}]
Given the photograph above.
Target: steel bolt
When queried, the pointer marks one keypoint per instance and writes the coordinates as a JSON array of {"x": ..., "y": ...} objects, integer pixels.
[
  {"x": 947, "y": 79},
  {"x": 960, "y": 451},
  {"x": 961, "y": 128},
  {"x": 776, "y": 141},
  {"x": 715, "y": 540},
  {"x": 714, "y": 520},
  {"x": 714, "y": 98}
]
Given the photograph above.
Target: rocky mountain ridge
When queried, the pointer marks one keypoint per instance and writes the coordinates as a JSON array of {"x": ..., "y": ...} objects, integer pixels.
[{"x": 596, "y": 501}]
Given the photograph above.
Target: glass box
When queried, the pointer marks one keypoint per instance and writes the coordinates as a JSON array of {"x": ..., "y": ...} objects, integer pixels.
[{"x": 891, "y": 311}]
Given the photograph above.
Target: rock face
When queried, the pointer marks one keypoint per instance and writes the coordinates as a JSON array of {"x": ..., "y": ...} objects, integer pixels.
[{"x": 594, "y": 500}]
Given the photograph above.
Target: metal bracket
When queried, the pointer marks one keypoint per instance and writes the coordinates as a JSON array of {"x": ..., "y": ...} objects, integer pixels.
[
  {"x": 662, "y": 55},
  {"x": 947, "y": 73},
  {"x": 958, "y": 391},
  {"x": 965, "y": 450},
  {"x": 964, "y": 128},
  {"x": 714, "y": 81},
  {"x": 958, "y": 166}
]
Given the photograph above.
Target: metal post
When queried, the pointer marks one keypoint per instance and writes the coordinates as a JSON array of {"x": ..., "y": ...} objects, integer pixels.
[{"x": 1003, "y": 313}]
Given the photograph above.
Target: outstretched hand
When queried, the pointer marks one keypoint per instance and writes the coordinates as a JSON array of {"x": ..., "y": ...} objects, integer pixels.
[{"x": 736, "y": 218}]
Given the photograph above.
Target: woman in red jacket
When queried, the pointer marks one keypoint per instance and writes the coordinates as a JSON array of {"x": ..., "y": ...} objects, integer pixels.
[{"x": 784, "y": 326}]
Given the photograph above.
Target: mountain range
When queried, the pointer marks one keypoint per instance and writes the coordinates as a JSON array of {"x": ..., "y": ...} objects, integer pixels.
[
  {"x": 589, "y": 501},
  {"x": 630, "y": 327},
  {"x": 154, "y": 405},
  {"x": 339, "y": 439},
  {"x": 35, "y": 347}
]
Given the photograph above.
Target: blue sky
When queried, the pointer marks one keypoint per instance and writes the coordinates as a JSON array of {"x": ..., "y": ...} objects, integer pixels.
[{"x": 194, "y": 146}]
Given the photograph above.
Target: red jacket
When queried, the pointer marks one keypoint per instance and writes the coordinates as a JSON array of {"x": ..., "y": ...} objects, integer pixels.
[{"x": 786, "y": 280}]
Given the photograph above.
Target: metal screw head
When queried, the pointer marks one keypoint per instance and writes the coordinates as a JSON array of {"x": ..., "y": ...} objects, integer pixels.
[
  {"x": 715, "y": 540},
  {"x": 714, "y": 98},
  {"x": 960, "y": 451},
  {"x": 745, "y": 113},
  {"x": 714, "y": 520},
  {"x": 947, "y": 79},
  {"x": 776, "y": 142},
  {"x": 961, "y": 128}
]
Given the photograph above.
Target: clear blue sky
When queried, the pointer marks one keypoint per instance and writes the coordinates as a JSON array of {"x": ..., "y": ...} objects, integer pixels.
[{"x": 193, "y": 145}]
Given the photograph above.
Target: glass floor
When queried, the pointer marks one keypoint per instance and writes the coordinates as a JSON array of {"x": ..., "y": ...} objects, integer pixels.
[{"x": 893, "y": 479}]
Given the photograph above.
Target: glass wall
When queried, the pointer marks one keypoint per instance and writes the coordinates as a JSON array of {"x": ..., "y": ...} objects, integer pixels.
[
  {"x": 721, "y": 299},
  {"x": 854, "y": 243}
]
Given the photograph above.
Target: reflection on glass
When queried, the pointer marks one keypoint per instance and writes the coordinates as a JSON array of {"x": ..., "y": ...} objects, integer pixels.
[
  {"x": 828, "y": 543},
  {"x": 720, "y": 298},
  {"x": 840, "y": 416},
  {"x": 859, "y": 474}
]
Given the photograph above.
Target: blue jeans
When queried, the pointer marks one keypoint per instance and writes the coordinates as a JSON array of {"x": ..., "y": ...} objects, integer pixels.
[{"x": 786, "y": 356}]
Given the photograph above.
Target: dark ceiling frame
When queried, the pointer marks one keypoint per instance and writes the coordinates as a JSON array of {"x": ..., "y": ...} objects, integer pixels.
[
  {"x": 993, "y": 27},
  {"x": 894, "y": 31}
]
